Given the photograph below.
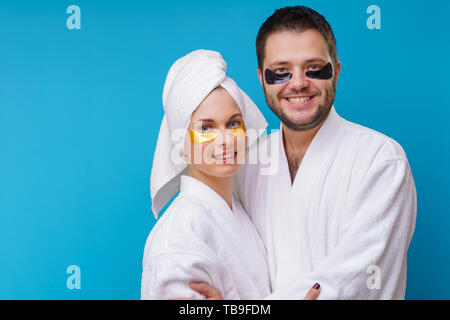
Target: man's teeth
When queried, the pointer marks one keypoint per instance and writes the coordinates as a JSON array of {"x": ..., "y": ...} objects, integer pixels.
[
  {"x": 301, "y": 100},
  {"x": 226, "y": 156}
]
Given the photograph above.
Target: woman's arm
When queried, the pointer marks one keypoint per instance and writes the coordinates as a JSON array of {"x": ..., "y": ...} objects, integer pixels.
[{"x": 167, "y": 276}]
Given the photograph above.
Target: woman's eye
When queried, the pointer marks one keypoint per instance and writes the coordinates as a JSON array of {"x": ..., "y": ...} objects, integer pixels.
[
  {"x": 205, "y": 128},
  {"x": 234, "y": 124}
]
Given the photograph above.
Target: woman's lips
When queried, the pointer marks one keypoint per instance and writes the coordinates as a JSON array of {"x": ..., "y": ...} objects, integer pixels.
[{"x": 226, "y": 158}]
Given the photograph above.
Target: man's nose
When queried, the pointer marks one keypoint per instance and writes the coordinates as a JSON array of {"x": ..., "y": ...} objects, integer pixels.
[{"x": 298, "y": 81}]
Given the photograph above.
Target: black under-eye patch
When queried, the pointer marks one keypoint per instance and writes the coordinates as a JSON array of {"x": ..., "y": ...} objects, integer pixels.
[
  {"x": 324, "y": 73},
  {"x": 276, "y": 78},
  {"x": 279, "y": 78}
]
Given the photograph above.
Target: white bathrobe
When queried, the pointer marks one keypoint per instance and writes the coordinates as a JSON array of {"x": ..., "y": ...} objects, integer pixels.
[
  {"x": 345, "y": 222},
  {"x": 199, "y": 238}
]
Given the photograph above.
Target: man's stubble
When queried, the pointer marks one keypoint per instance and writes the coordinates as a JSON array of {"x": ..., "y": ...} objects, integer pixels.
[{"x": 316, "y": 119}]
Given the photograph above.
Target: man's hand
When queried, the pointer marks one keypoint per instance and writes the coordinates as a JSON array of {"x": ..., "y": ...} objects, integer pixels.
[
  {"x": 211, "y": 293},
  {"x": 205, "y": 289}
]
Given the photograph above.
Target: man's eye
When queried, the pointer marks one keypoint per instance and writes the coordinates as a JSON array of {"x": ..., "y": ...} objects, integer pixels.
[
  {"x": 205, "y": 128},
  {"x": 315, "y": 67},
  {"x": 280, "y": 70}
]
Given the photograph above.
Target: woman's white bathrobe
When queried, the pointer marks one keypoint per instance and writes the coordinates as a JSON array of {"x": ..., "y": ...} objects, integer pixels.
[
  {"x": 345, "y": 222},
  {"x": 199, "y": 238}
]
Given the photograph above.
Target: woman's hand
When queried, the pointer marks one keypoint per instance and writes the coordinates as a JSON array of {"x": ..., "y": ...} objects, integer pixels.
[
  {"x": 313, "y": 293},
  {"x": 211, "y": 293}
]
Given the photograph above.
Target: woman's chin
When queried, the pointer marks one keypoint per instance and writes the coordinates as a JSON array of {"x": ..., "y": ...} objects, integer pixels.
[{"x": 224, "y": 170}]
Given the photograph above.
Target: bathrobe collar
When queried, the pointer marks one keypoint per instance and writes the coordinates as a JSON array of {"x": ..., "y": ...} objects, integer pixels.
[
  {"x": 193, "y": 187},
  {"x": 317, "y": 152}
]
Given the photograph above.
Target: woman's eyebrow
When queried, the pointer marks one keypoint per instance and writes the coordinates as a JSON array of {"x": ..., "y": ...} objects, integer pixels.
[
  {"x": 236, "y": 115},
  {"x": 211, "y": 120},
  {"x": 205, "y": 120}
]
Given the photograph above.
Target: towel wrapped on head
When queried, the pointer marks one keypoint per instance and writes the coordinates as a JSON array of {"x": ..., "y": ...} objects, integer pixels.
[{"x": 188, "y": 83}]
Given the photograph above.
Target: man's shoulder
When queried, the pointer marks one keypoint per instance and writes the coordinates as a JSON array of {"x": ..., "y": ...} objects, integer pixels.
[
  {"x": 372, "y": 142},
  {"x": 266, "y": 139},
  {"x": 262, "y": 155}
]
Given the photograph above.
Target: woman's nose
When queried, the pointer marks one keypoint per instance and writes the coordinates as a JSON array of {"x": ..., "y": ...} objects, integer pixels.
[{"x": 225, "y": 139}]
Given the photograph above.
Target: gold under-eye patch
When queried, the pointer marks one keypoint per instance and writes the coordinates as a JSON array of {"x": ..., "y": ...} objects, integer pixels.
[
  {"x": 239, "y": 131},
  {"x": 198, "y": 137}
]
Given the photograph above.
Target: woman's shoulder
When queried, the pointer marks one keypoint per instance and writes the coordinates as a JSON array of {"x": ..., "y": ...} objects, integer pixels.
[
  {"x": 183, "y": 227},
  {"x": 185, "y": 212}
]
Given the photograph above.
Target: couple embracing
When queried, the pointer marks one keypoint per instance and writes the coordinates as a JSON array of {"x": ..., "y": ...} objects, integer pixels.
[{"x": 333, "y": 221}]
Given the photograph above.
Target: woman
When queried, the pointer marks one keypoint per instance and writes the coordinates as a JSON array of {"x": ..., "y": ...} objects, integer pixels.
[{"x": 205, "y": 234}]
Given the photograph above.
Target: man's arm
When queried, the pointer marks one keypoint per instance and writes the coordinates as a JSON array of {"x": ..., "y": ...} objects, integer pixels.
[
  {"x": 211, "y": 293},
  {"x": 370, "y": 260}
]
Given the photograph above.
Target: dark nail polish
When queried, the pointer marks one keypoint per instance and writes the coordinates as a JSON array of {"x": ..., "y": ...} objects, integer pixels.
[{"x": 316, "y": 286}]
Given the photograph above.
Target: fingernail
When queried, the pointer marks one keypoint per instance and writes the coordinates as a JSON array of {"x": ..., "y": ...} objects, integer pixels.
[{"x": 316, "y": 286}]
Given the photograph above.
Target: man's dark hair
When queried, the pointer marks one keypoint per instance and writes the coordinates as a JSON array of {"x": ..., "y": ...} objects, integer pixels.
[{"x": 298, "y": 18}]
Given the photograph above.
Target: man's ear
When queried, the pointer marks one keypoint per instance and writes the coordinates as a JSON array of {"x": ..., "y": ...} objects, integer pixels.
[
  {"x": 337, "y": 69},
  {"x": 258, "y": 71}
]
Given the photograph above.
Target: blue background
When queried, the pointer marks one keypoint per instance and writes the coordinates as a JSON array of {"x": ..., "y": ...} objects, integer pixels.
[{"x": 80, "y": 112}]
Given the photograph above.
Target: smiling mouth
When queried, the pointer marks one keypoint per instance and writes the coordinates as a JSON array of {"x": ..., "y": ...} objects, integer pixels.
[
  {"x": 300, "y": 100},
  {"x": 225, "y": 156}
]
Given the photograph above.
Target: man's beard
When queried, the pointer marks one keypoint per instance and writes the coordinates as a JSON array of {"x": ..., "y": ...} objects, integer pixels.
[{"x": 316, "y": 119}]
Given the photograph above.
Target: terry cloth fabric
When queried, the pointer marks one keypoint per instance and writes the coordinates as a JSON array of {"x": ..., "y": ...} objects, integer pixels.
[
  {"x": 345, "y": 222},
  {"x": 200, "y": 238}
]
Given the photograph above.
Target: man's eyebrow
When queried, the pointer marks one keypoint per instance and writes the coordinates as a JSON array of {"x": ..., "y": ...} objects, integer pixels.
[
  {"x": 282, "y": 63},
  {"x": 278, "y": 63},
  {"x": 316, "y": 59}
]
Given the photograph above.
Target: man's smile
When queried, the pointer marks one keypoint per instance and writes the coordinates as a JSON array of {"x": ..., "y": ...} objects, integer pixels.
[{"x": 299, "y": 100}]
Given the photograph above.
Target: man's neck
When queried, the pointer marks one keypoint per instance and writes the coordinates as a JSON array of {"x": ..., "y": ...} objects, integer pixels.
[
  {"x": 296, "y": 142},
  {"x": 295, "y": 145}
]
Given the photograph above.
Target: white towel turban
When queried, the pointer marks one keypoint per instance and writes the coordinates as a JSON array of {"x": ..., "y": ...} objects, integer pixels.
[{"x": 188, "y": 83}]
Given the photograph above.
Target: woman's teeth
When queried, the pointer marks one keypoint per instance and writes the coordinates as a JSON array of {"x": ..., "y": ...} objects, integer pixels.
[
  {"x": 301, "y": 100},
  {"x": 226, "y": 156}
]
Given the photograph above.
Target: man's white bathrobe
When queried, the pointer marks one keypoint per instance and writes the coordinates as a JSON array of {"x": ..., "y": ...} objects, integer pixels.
[
  {"x": 345, "y": 222},
  {"x": 199, "y": 238}
]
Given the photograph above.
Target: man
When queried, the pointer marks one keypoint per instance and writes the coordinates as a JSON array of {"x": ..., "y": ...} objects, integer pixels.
[{"x": 341, "y": 209}]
